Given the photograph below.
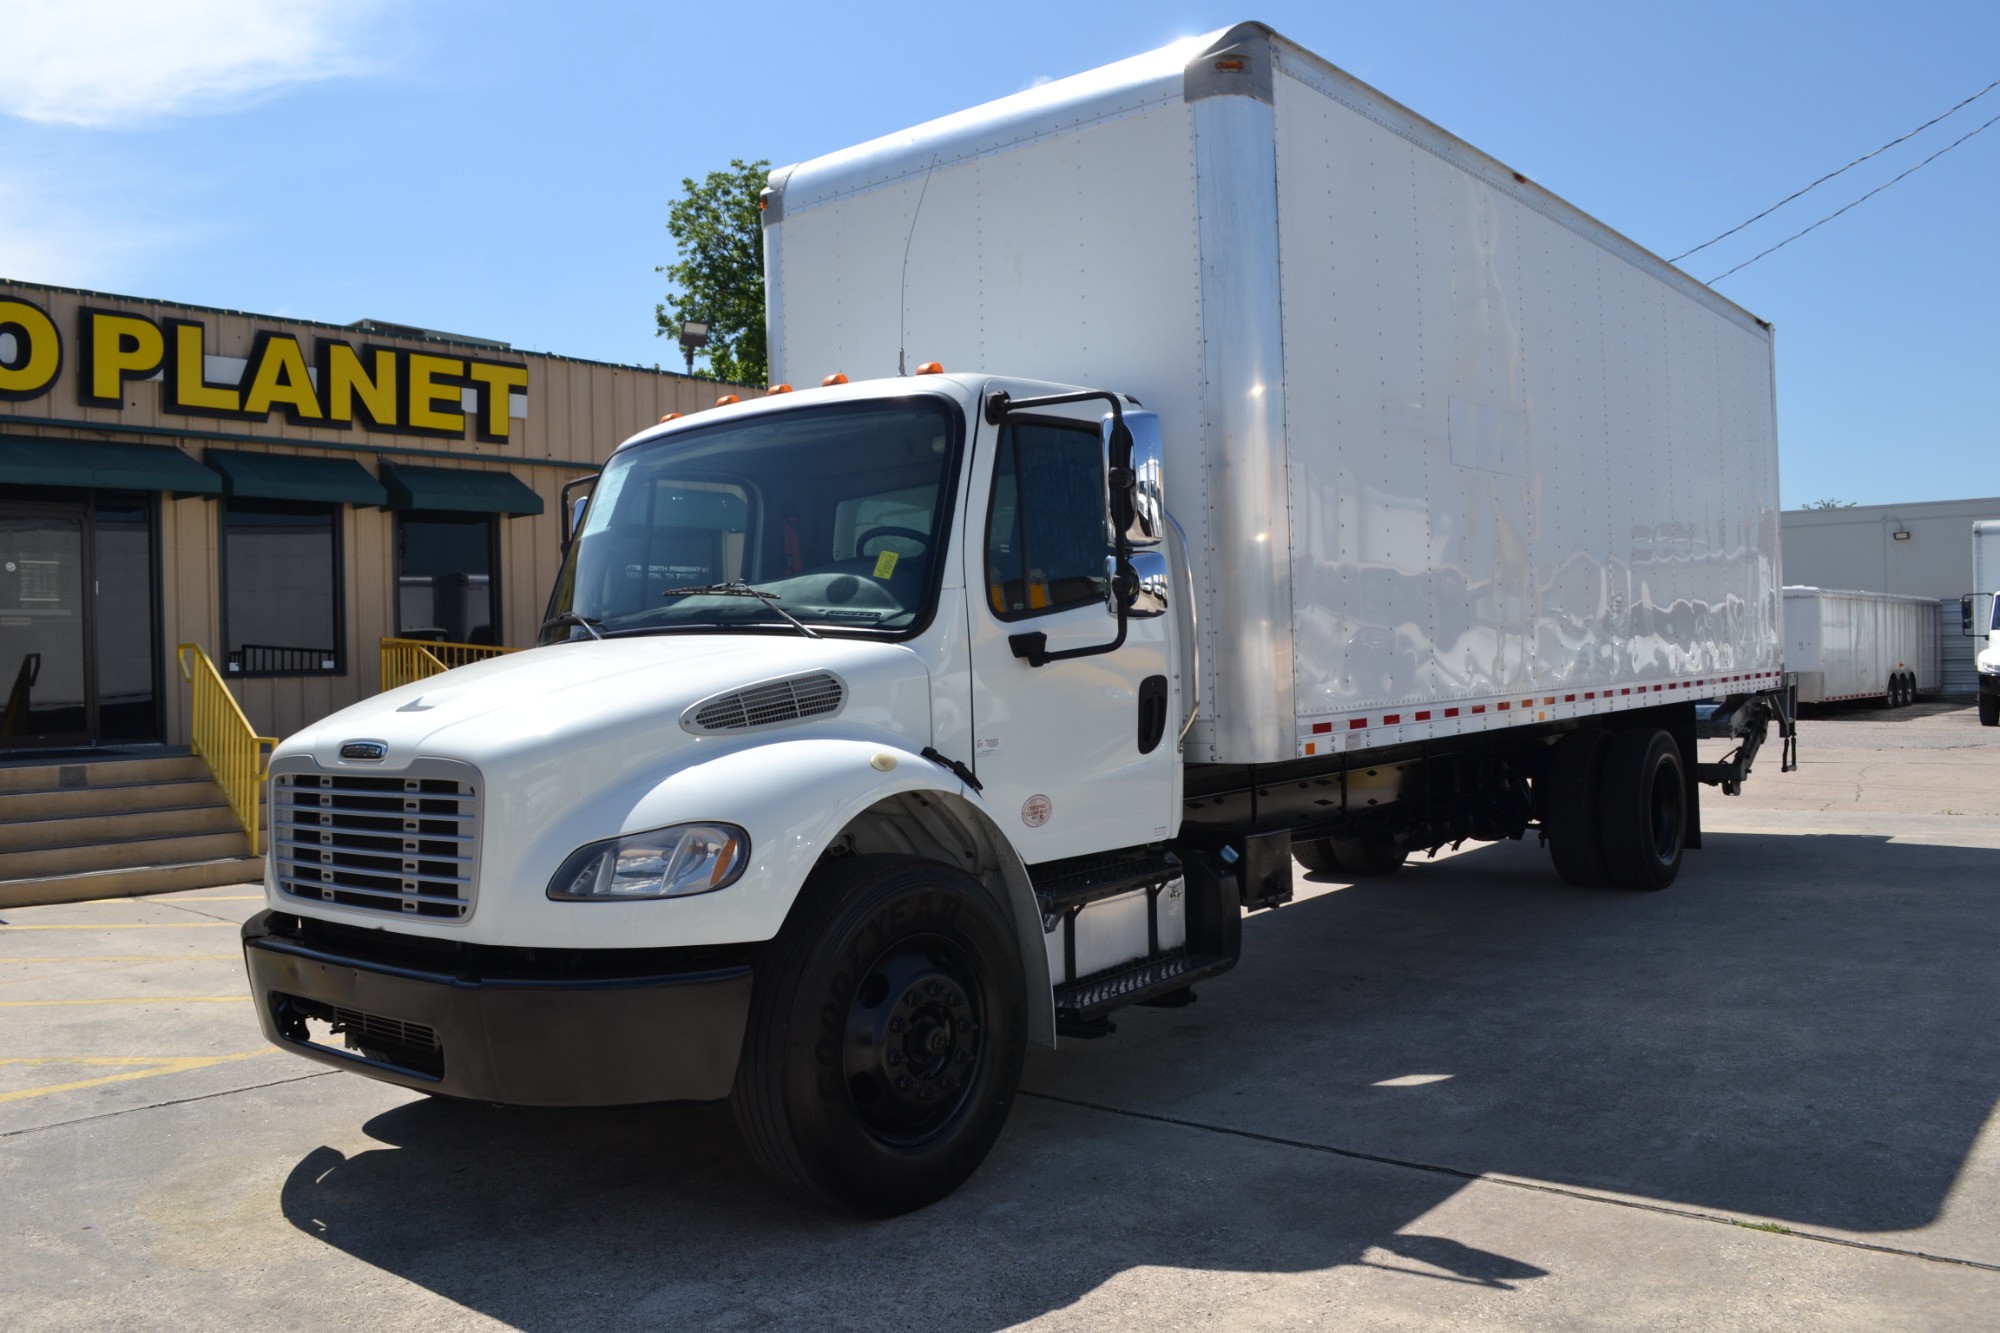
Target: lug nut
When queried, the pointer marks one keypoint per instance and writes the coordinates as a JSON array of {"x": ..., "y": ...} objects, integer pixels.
[
  {"x": 905, "y": 1082},
  {"x": 926, "y": 1092},
  {"x": 955, "y": 1000},
  {"x": 895, "y": 1057},
  {"x": 899, "y": 1024}
]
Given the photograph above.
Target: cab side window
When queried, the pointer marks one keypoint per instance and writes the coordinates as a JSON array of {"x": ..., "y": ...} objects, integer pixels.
[{"x": 1046, "y": 538}]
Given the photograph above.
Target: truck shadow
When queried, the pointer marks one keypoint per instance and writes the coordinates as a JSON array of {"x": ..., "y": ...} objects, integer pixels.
[{"x": 1791, "y": 1032}]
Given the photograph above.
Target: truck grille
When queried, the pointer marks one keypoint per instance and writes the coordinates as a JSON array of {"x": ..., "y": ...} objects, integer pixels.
[{"x": 403, "y": 842}]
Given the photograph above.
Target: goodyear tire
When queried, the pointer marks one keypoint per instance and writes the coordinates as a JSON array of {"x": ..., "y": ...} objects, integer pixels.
[
  {"x": 1569, "y": 808},
  {"x": 886, "y": 1036},
  {"x": 1989, "y": 710},
  {"x": 1316, "y": 856},
  {"x": 1642, "y": 809}
]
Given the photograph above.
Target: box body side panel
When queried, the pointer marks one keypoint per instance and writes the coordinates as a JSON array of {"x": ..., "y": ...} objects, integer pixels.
[{"x": 1521, "y": 466}]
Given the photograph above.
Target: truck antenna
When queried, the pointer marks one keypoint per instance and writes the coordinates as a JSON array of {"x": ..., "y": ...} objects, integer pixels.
[{"x": 903, "y": 293}]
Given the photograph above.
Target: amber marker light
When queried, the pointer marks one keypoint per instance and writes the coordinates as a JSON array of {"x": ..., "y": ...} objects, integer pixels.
[
  {"x": 931, "y": 368},
  {"x": 727, "y": 399},
  {"x": 835, "y": 378},
  {"x": 776, "y": 389},
  {"x": 671, "y": 416}
]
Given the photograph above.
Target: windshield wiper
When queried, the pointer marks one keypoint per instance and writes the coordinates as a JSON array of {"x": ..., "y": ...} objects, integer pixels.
[
  {"x": 572, "y": 618},
  {"x": 738, "y": 588}
]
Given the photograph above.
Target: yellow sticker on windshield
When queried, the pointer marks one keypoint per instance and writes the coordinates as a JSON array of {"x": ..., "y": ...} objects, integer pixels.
[{"x": 885, "y": 564}]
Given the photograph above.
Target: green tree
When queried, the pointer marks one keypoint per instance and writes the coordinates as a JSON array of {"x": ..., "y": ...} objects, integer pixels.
[
  {"x": 1829, "y": 504},
  {"x": 719, "y": 278}
]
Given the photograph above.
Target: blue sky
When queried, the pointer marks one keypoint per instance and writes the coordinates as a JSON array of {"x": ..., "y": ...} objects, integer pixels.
[{"x": 503, "y": 169}]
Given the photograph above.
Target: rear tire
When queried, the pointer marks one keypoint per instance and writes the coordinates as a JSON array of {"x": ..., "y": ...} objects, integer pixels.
[
  {"x": 886, "y": 1036},
  {"x": 1316, "y": 856},
  {"x": 1989, "y": 710},
  {"x": 1368, "y": 855},
  {"x": 1642, "y": 810},
  {"x": 1569, "y": 808}
]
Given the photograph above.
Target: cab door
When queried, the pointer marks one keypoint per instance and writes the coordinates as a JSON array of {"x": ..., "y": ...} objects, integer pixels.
[{"x": 1074, "y": 756}]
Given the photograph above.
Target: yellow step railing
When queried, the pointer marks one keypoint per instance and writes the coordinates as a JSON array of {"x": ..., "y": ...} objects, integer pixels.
[
  {"x": 236, "y": 754},
  {"x": 405, "y": 660}
]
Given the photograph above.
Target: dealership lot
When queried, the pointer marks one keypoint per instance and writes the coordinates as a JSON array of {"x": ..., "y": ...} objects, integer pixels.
[{"x": 1467, "y": 1096}]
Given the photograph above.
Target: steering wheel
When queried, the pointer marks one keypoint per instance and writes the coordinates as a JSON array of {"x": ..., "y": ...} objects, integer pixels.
[{"x": 922, "y": 539}]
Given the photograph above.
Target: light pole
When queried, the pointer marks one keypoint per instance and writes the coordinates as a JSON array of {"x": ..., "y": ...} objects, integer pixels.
[{"x": 694, "y": 337}]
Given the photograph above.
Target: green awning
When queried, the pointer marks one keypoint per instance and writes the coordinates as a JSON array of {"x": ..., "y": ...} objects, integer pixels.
[
  {"x": 291, "y": 477},
  {"x": 462, "y": 489},
  {"x": 105, "y": 466}
]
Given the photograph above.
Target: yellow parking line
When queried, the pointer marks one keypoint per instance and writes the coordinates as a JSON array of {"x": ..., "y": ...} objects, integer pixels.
[
  {"x": 129, "y": 958},
  {"x": 246, "y": 898},
  {"x": 126, "y": 999},
  {"x": 171, "y": 1065},
  {"x": 130, "y": 925}
]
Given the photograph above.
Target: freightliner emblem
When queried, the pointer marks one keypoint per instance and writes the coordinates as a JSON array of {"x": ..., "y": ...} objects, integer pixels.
[{"x": 364, "y": 750}]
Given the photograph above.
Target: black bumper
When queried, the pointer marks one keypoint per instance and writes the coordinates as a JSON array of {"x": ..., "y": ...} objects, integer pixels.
[{"x": 449, "y": 1026}]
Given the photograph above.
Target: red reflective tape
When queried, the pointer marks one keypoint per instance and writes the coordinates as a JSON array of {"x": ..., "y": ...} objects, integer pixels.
[
  {"x": 1391, "y": 719},
  {"x": 1321, "y": 728},
  {"x": 1502, "y": 706},
  {"x": 1530, "y": 703},
  {"x": 1423, "y": 717},
  {"x": 1551, "y": 699},
  {"x": 1479, "y": 708},
  {"x": 1451, "y": 712},
  {"x": 1569, "y": 698},
  {"x": 1626, "y": 690},
  {"x": 1356, "y": 723},
  {"x": 1590, "y": 694}
]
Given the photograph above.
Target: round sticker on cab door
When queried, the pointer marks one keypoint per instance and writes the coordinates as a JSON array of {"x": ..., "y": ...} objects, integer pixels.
[{"x": 1035, "y": 810}]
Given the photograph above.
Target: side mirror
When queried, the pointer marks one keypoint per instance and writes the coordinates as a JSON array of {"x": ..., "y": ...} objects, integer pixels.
[
  {"x": 1134, "y": 482},
  {"x": 573, "y": 507},
  {"x": 1965, "y": 615},
  {"x": 1141, "y": 584}
]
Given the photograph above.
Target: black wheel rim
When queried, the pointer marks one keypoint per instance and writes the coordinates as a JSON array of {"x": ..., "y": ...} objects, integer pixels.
[
  {"x": 1666, "y": 812},
  {"x": 915, "y": 1036}
]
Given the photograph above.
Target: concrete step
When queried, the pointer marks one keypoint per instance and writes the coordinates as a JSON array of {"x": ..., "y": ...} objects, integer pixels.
[
  {"x": 119, "y": 853},
  {"x": 65, "y": 803},
  {"x": 24, "y": 835},
  {"x": 100, "y": 773},
  {"x": 131, "y": 881}
]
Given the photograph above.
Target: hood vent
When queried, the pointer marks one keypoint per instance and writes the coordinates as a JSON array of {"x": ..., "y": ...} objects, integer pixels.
[{"x": 816, "y": 694}]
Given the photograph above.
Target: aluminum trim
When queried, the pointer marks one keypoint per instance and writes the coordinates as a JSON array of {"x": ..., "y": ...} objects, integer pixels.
[{"x": 302, "y": 837}]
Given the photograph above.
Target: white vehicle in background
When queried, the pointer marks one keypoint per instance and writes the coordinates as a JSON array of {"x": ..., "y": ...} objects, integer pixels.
[
  {"x": 1986, "y": 616},
  {"x": 1846, "y": 646},
  {"x": 883, "y": 728}
]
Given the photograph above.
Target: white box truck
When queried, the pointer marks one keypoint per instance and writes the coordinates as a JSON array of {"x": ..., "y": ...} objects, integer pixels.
[
  {"x": 1845, "y": 646},
  {"x": 1305, "y": 483},
  {"x": 1986, "y": 616}
]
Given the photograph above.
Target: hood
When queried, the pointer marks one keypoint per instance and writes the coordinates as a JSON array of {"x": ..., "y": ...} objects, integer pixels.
[{"x": 629, "y": 692}]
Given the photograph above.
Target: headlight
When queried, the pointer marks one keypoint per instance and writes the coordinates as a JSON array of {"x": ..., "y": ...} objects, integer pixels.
[{"x": 665, "y": 863}]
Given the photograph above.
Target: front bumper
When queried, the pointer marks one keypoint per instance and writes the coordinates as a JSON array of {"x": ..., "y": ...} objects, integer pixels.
[{"x": 525, "y": 1027}]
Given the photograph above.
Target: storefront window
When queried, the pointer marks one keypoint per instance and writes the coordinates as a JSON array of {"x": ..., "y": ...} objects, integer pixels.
[
  {"x": 281, "y": 588},
  {"x": 446, "y": 589}
]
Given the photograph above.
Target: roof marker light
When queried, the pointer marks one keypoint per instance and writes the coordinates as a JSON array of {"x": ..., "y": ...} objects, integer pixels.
[
  {"x": 835, "y": 378},
  {"x": 727, "y": 399},
  {"x": 777, "y": 388},
  {"x": 671, "y": 416},
  {"x": 931, "y": 368}
]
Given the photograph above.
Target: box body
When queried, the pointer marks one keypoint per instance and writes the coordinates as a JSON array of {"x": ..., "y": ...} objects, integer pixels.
[{"x": 1450, "y": 454}]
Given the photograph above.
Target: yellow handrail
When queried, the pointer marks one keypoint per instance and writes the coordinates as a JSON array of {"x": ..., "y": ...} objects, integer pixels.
[
  {"x": 406, "y": 660},
  {"x": 236, "y": 754}
]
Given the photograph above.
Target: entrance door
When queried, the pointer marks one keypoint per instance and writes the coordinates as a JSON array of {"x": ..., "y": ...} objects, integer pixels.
[
  {"x": 44, "y": 626},
  {"x": 79, "y": 641},
  {"x": 1070, "y": 752}
]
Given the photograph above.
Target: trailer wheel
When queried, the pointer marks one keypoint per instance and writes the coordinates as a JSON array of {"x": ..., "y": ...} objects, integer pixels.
[
  {"x": 1316, "y": 856},
  {"x": 1369, "y": 854},
  {"x": 886, "y": 1036},
  {"x": 1569, "y": 808},
  {"x": 1642, "y": 809},
  {"x": 1989, "y": 710}
]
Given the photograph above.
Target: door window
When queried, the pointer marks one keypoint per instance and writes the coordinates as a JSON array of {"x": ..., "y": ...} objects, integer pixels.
[{"x": 1047, "y": 533}]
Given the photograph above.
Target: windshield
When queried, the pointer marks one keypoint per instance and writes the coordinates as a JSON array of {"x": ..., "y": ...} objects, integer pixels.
[{"x": 838, "y": 514}]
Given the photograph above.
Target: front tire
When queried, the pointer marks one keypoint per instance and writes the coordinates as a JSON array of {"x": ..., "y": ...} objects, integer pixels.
[
  {"x": 1642, "y": 810},
  {"x": 886, "y": 1036},
  {"x": 1989, "y": 710}
]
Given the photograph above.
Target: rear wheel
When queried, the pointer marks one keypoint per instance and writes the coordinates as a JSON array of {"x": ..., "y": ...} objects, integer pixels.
[
  {"x": 886, "y": 1035},
  {"x": 1316, "y": 856},
  {"x": 1642, "y": 810},
  {"x": 1368, "y": 855},
  {"x": 1569, "y": 808}
]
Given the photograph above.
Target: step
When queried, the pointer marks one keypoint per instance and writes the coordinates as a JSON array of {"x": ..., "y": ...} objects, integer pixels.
[
  {"x": 131, "y": 882},
  {"x": 1098, "y": 994},
  {"x": 100, "y": 773},
  {"x": 24, "y": 835},
  {"x": 178, "y": 794},
  {"x": 1064, "y": 885},
  {"x": 118, "y": 853}
]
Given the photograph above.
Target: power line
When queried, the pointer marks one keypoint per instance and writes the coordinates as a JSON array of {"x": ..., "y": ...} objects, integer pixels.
[
  {"x": 1870, "y": 195},
  {"x": 1831, "y": 174}
]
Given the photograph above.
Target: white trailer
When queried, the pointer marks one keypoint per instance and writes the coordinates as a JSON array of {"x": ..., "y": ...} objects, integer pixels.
[
  {"x": 1845, "y": 646},
  {"x": 1986, "y": 615},
  {"x": 1306, "y": 483}
]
